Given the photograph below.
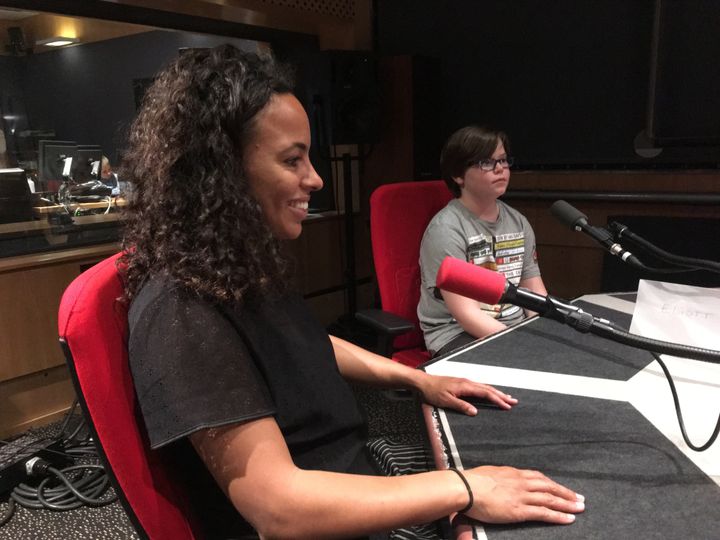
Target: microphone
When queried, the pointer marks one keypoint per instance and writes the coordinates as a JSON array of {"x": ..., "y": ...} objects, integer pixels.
[
  {"x": 572, "y": 217},
  {"x": 471, "y": 281}
]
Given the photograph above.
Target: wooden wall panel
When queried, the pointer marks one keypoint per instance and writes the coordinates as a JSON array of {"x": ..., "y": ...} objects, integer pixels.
[
  {"x": 35, "y": 399},
  {"x": 35, "y": 386},
  {"x": 28, "y": 317}
]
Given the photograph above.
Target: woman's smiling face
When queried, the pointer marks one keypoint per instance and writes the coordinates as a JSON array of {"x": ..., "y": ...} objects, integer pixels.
[{"x": 277, "y": 165}]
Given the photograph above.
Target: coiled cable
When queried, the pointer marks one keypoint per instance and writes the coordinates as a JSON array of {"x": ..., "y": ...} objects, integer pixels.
[{"x": 72, "y": 491}]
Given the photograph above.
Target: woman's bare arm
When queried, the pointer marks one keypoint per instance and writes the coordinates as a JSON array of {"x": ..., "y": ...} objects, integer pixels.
[
  {"x": 360, "y": 365},
  {"x": 253, "y": 466}
]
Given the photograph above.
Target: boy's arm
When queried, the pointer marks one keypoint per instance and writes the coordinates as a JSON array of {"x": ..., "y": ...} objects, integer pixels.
[{"x": 470, "y": 315}]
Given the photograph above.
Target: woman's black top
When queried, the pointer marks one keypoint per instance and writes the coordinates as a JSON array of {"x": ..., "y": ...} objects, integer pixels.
[{"x": 197, "y": 365}]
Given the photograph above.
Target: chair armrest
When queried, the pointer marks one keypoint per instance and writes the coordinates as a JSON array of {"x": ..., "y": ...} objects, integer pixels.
[
  {"x": 384, "y": 321},
  {"x": 387, "y": 325}
]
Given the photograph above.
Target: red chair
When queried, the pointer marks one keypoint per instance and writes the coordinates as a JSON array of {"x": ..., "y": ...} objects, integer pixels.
[
  {"x": 92, "y": 325},
  {"x": 399, "y": 214}
]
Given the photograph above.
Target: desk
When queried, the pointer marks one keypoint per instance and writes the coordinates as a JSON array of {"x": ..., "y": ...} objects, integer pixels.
[
  {"x": 29, "y": 227},
  {"x": 45, "y": 234},
  {"x": 596, "y": 416},
  {"x": 115, "y": 202}
]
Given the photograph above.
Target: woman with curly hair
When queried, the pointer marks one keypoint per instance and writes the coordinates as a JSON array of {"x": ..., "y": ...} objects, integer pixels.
[{"x": 234, "y": 376}]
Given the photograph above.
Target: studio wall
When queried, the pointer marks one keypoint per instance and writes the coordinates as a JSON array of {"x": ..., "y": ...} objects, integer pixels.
[{"x": 569, "y": 81}]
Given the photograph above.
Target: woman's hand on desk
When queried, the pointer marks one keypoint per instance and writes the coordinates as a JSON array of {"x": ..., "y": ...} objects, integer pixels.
[
  {"x": 508, "y": 495},
  {"x": 447, "y": 392}
]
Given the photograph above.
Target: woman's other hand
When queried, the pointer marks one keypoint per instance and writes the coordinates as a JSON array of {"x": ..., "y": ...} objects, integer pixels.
[
  {"x": 508, "y": 495},
  {"x": 447, "y": 392}
]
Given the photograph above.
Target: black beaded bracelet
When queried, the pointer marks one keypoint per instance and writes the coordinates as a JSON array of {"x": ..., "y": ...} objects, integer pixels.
[{"x": 471, "y": 500}]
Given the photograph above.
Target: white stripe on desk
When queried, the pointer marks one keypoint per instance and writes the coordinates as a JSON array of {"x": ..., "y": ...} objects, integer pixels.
[
  {"x": 610, "y": 302},
  {"x": 534, "y": 380}
]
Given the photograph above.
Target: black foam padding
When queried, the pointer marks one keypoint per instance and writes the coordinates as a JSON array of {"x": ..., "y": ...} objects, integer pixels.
[
  {"x": 547, "y": 345},
  {"x": 636, "y": 483},
  {"x": 566, "y": 214}
]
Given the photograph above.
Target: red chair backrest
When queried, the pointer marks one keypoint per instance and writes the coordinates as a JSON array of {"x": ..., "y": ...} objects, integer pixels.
[
  {"x": 92, "y": 325},
  {"x": 399, "y": 214}
]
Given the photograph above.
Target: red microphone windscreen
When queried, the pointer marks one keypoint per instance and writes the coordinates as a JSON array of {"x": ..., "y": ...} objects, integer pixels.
[{"x": 467, "y": 279}]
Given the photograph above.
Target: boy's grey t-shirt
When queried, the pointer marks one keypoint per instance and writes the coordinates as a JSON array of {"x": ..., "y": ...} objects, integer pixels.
[{"x": 506, "y": 246}]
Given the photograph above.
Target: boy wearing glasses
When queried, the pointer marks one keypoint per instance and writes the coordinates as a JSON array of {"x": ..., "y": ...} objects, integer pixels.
[{"x": 478, "y": 228}]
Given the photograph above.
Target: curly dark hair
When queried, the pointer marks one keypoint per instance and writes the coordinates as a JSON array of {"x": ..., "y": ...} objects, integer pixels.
[
  {"x": 465, "y": 147},
  {"x": 191, "y": 216}
]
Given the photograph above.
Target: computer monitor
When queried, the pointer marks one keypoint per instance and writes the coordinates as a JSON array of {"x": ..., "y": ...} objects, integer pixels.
[
  {"x": 87, "y": 163},
  {"x": 15, "y": 196},
  {"x": 51, "y": 161}
]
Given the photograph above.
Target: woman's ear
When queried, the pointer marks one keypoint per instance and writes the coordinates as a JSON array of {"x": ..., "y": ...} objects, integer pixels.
[{"x": 460, "y": 181}]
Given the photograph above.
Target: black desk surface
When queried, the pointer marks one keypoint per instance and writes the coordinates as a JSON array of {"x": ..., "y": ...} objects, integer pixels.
[{"x": 577, "y": 422}]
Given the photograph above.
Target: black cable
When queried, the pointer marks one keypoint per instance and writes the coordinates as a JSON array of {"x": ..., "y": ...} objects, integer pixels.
[
  {"x": 76, "y": 485},
  {"x": 9, "y": 513},
  {"x": 76, "y": 430},
  {"x": 336, "y": 196},
  {"x": 94, "y": 485},
  {"x": 69, "y": 440},
  {"x": 678, "y": 260},
  {"x": 675, "y": 270},
  {"x": 678, "y": 411},
  {"x": 86, "y": 449},
  {"x": 87, "y": 489},
  {"x": 68, "y": 416},
  {"x": 335, "y": 183}
]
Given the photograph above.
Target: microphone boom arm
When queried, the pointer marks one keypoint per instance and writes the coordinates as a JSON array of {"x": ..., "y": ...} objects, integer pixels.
[
  {"x": 621, "y": 231},
  {"x": 584, "y": 322},
  {"x": 600, "y": 328}
]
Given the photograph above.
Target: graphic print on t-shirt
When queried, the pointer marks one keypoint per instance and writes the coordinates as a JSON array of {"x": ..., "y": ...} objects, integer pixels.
[
  {"x": 503, "y": 253},
  {"x": 509, "y": 254},
  {"x": 480, "y": 252}
]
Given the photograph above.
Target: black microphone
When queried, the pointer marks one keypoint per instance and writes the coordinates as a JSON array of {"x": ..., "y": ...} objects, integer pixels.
[{"x": 576, "y": 220}]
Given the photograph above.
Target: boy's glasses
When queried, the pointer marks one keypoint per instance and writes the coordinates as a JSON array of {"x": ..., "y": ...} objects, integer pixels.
[{"x": 490, "y": 164}]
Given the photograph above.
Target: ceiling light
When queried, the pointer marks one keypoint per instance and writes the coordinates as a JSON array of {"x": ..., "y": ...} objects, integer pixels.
[{"x": 58, "y": 41}]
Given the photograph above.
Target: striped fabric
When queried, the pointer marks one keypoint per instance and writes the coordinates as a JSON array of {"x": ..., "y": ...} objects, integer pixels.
[{"x": 397, "y": 459}]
